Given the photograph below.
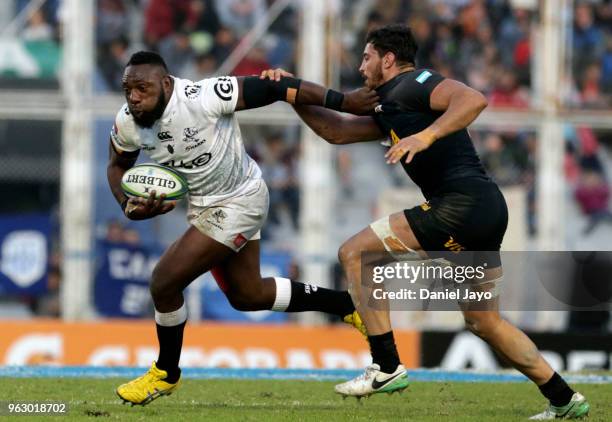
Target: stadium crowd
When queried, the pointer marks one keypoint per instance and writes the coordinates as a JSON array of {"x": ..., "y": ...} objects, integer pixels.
[{"x": 486, "y": 43}]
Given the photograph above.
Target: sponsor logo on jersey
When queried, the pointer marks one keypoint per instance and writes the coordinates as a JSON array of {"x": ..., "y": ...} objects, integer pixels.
[
  {"x": 219, "y": 216},
  {"x": 423, "y": 76},
  {"x": 453, "y": 245},
  {"x": 199, "y": 161},
  {"x": 224, "y": 88},
  {"x": 193, "y": 91},
  {"x": 170, "y": 149},
  {"x": 194, "y": 146},
  {"x": 378, "y": 109},
  {"x": 148, "y": 148},
  {"x": 190, "y": 133},
  {"x": 164, "y": 136},
  {"x": 216, "y": 218},
  {"x": 126, "y": 110}
]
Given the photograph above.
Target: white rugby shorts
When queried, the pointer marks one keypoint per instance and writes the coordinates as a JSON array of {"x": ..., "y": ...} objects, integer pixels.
[{"x": 236, "y": 220}]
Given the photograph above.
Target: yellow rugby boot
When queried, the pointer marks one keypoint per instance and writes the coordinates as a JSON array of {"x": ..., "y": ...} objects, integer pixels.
[
  {"x": 355, "y": 320},
  {"x": 145, "y": 389}
]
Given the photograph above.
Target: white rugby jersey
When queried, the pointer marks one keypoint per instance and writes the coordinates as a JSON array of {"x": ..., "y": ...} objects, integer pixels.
[{"x": 198, "y": 136}]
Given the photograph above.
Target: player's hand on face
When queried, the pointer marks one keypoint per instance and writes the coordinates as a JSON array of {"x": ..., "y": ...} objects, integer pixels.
[
  {"x": 410, "y": 145},
  {"x": 360, "y": 101},
  {"x": 143, "y": 208},
  {"x": 275, "y": 74}
]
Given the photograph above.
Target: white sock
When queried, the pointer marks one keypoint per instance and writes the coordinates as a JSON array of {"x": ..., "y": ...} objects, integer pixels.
[
  {"x": 171, "y": 319},
  {"x": 283, "y": 294}
]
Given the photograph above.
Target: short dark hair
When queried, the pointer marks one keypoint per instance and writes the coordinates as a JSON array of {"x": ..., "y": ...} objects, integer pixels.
[
  {"x": 396, "y": 39},
  {"x": 147, "y": 57}
]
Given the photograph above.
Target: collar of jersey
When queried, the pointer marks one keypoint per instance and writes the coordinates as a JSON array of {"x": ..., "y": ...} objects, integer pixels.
[{"x": 391, "y": 81}]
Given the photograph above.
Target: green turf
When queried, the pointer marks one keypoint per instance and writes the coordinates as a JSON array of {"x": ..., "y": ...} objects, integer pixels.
[{"x": 94, "y": 399}]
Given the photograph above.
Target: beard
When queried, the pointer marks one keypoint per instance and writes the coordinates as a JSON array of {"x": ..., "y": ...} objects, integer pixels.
[
  {"x": 375, "y": 79},
  {"x": 146, "y": 119}
]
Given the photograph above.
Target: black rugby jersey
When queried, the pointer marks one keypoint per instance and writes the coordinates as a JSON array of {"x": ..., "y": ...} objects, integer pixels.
[{"x": 405, "y": 110}]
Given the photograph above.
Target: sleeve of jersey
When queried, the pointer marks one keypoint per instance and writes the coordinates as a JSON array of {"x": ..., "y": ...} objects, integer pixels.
[
  {"x": 118, "y": 134},
  {"x": 219, "y": 95},
  {"x": 421, "y": 88}
]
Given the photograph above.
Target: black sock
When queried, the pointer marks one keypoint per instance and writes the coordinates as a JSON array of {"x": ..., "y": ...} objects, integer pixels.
[
  {"x": 557, "y": 391},
  {"x": 384, "y": 352},
  {"x": 306, "y": 297},
  {"x": 170, "y": 345}
]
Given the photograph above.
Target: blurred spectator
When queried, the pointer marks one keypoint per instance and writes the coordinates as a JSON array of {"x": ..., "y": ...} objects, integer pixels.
[
  {"x": 279, "y": 172},
  {"x": 177, "y": 52},
  {"x": 48, "y": 7},
  {"x": 225, "y": 41},
  {"x": 507, "y": 92},
  {"x": 588, "y": 38},
  {"x": 514, "y": 37},
  {"x": 203, "y": 17},
  {"x": 49, "y": 305},
  {"x": 591, "y": 95},
  {"x": 131, "y": 236},
  {"x": 114, "y": 231},
  {"x": 163, "y": 18},
  {"x": 111, "y": 62},
  {"x": 593, "y": 194},
  {"x": 112, "y": 21},
  {"x": 499, "y": 159},
  {"x": 253, "y": 63},
  {"x": 606, "y": 66},
  {"x": 37, "y": 28},
  {"x": 422, "y": 32},
  {"x": 240, "y": 15},
  {"x": 203, "y": 67},
  {"x": 280, "y": 39}
]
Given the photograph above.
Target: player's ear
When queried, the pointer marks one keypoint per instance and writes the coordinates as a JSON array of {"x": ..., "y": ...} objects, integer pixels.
[
  {"x": 388, "y": 60},
  {"x": 167, "y": 82}
]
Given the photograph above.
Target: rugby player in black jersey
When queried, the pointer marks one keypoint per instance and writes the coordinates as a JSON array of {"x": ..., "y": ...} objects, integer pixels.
[{"x": 425, "y": 116}]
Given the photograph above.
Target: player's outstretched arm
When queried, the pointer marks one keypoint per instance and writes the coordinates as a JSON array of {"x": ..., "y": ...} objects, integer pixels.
[
  {"x": 254, "y": 91},
  {"x": 133, "y": 208},
  {"x": 460, "y": 104},
  {"x": 334, "y": 127}
]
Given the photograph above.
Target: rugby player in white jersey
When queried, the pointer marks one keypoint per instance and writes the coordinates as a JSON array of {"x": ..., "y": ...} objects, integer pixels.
[{"x": 191, "y": 128}]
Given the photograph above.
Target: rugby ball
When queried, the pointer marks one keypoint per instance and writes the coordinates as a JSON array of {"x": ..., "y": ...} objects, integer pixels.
[{"x": 142, "y": 179}]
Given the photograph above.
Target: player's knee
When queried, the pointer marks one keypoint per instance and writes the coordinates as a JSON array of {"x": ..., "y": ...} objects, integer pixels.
[
  {"x": 161, "y": 287},
  {"x": 245, "y": 301},
  {"x": 482, "y": 324},
  {"x": 347, "y": 254}
]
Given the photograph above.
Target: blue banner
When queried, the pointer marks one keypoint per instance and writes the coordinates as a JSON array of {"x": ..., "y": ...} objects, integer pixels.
[
  {"x": 122, "y": 280},
  {"x": 122, "y": 285},
  {"x": 24, "y": 254}
]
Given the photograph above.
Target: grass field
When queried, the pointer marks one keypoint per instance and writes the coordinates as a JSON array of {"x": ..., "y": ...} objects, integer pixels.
[{"x": 266, "y": 400}]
